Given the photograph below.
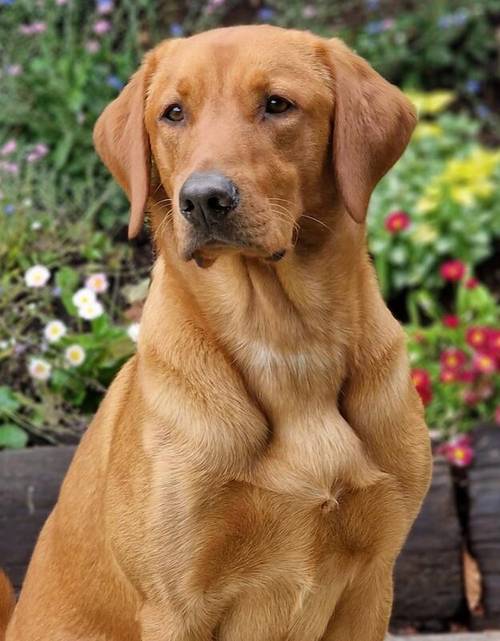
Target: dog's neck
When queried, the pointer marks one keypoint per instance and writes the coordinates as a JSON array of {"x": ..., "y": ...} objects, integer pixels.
[{"x": 281, "y": 324}]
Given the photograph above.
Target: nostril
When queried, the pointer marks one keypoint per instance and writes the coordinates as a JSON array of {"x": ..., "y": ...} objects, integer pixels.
[
  {"x": 187, "y": 206},
  {"x": 216, "y": 204}
]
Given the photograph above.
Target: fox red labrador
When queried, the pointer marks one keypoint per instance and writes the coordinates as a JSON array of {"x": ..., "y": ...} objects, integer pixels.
[{"x": 255, "y": 468}]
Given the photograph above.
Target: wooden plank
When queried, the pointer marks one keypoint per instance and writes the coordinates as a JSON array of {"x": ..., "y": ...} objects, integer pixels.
[
  {"x": 29, "y": 485},
  {"x": 484, "y": 518},
  {"x": 428, "y": 576}
]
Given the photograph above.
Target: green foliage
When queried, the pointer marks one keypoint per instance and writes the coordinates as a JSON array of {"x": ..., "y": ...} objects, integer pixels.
[
  {"x": 62, "y": 62},
  {"x": 464, "y": 391},
  {"x": 450, "y": 188}
]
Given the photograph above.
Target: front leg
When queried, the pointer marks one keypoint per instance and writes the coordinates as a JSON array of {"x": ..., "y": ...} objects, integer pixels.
[
  {"x": 364, "y": 609},
  {"x": 381, "y": 405}
]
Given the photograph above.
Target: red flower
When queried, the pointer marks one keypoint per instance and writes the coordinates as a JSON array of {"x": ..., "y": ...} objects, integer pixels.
[
  {"x": 458, "y": 451},
  {"x": 422, "y": 382},
  {"x": 450, "y": 320},
  {"x": 452, "y": 359},
  {"x": 484, "y": 363},
  {"x": 452, "y": 270},
  {"x": 494, "y": 342},
  {"x": 449, "y": 376},
  {"x": 477, "y": 336},
  {"x": 471, "y": 283},
  {"x": 397, "y": 221}
]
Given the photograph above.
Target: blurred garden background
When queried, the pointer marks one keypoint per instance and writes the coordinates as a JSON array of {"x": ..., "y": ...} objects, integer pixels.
[{"x": 72, "y": 286}]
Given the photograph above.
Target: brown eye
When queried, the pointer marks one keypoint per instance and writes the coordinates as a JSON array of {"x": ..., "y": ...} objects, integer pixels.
[
  {"x": 173, "y": 113},
  {"x": 277, "y": 105}
]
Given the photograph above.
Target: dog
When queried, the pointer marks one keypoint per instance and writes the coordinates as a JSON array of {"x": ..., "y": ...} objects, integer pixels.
[{"x": 254, "y": 469}]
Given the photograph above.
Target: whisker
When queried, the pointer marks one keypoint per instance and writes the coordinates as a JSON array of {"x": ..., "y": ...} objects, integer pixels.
[{"x": 320, "y": 222}]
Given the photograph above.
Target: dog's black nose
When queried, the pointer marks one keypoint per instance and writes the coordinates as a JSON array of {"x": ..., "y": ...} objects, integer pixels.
[{"x": 207, "y": 198}]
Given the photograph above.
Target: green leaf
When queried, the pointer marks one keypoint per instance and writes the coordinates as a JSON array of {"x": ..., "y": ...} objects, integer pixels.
[
  {"x": 12, "y": 436},
  {"x": 8, "y": 401}
]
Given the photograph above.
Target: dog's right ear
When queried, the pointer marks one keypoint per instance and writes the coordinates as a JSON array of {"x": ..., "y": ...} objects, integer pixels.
[{"x": 121, "y": 140}]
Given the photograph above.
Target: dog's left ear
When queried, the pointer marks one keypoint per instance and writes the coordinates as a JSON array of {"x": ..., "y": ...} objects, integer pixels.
[
  {"x": 121, "y": 141},
  {"x": 372, "y": 125}
]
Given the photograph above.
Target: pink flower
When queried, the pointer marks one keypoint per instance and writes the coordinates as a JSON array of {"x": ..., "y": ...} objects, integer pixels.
[
  {"x": 39, "y": 151},
  {"x": 451, "y": 321},
  {"x": 33, "y": 28},
  {"x": 92, "y": 46},
  {"x": 471, "y": 283},
  {"x": 477, "y": 337},
  {"x": 497, "y": 415},
  {"x": 452, "y": 358},
  {"x": 101, "y": 27},
  {"x": 452, "y": 270},
  {"x": 309, "y": 11},
  {"x": 9, "y": 167},
  {"x": 9, "y": 147},
  {"x": 484, "y": 363},
  {"x": 471, "y": 397},
  {"x": 397, "y": 221},
  {"x": 458, "y": 451},
  {"x": 422, "y": 382}
]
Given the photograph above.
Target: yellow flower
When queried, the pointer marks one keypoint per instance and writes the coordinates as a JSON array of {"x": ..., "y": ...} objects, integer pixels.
[
  {"x": 427, "y": 130},
  {"x": 432, "y": 102},
  {"x": 424, "y": 233},
  {"x": 464, "y": 179}
]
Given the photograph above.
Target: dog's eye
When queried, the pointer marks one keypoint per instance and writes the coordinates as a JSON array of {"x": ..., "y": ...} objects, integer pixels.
[
  {"x": 174, "y": 113},
  {"x": 277, "y": 105}
]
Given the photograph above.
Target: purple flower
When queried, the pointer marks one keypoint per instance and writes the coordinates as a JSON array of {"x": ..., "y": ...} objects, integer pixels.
[
  {"x": 266, "y": 13},
  {"x": 371, "y": 5},
  {"x": 101, "y": 27},
  {"x": 455, "y": 19},
  {"x": 104, "y": 6},
  {"x": 6, "y": 3},
  {"x": 114, "y": 82},
  {"x": 374, "y": 27},
  {"x": 14, "y": 70},
  {"x": 483, "y": 111},
  {"x": 472, "y": 86},
  {"x": 176, "y": 30},
  {"x": 9, "y": 209}
]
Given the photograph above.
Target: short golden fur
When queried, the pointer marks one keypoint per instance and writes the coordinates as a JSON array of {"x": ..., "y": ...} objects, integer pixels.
[{"x": 254, "y": 470}]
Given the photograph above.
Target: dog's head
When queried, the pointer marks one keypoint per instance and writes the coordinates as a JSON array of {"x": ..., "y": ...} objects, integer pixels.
[{"x": 248, "y": 129}]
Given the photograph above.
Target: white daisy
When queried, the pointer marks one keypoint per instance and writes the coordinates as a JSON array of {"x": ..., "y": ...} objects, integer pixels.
[
  {"x": 91, "y": 310},
  {"x": 84, "y": 296},
  {"x": 39, "y": 369},
  {"x": 133, "y": 331},
  {"x": 54, "y": 331},
  {"x": 98, "y": 283},
  {"x": 74, "y": 355},
  {"x": 36, "y": 276}
]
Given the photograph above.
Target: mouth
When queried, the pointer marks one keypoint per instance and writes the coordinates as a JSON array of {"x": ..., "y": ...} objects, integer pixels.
[{"x": 205, "y": 252}]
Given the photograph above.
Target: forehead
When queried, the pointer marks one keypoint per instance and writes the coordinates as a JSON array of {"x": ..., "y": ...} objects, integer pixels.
[{"x": 242, "y": 58}]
